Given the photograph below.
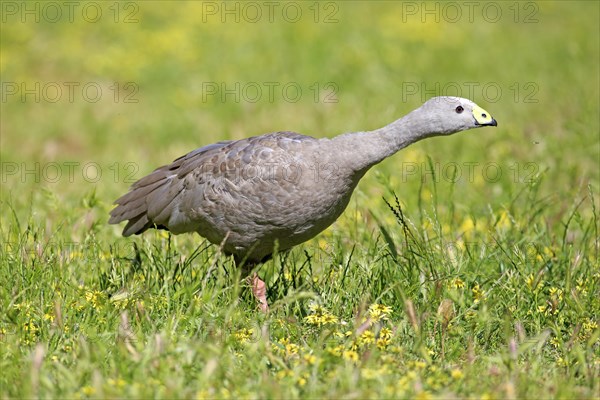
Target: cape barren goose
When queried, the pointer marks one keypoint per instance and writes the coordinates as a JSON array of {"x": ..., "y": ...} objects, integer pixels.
[{"x": 276, "y": 190}]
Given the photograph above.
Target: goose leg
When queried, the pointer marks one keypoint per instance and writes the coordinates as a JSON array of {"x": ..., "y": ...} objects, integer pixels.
[{"x": 259, "y": 289}]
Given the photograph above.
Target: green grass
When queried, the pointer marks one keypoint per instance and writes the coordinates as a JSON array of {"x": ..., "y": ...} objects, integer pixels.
[{"x": 475, "y": 257}]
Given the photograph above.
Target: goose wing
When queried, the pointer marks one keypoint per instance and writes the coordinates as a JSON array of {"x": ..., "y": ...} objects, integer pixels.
[{"x": 171, "y": 197}]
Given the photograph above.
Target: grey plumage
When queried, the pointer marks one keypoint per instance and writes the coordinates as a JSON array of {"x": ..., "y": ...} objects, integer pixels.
[{"x": 280, "y": 187}]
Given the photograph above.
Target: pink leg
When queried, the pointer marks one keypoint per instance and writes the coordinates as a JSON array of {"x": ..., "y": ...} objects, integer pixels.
[{"x": 259, "y": 289}]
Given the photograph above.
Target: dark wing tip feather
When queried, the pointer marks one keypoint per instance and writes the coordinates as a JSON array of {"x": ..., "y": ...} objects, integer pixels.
[{"x": 134, "y": 205}]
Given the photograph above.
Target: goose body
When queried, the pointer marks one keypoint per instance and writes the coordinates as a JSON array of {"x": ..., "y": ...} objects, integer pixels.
[
  {"x": 279, "y": 189},
  {"x": 254, "y": 191}
]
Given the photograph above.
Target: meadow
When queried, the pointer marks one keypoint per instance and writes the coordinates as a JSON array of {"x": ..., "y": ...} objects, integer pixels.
[{"x": 464, "y": 266}]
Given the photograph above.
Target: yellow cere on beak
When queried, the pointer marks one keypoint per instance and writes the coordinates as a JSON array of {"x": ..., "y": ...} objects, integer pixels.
[{"x": 483, "y": 117}]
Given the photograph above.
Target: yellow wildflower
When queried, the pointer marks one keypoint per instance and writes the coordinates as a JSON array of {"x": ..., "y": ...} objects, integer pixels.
[
  {"x": 478, "y": 294},
  {"x": 547, "y": 253},
  {"x": 456, "y": 373},
  {"x": 588, "y": 327},
  {"x": 367, "y": 337},
  {"x": 88, "y": 390},
  {"x": 378, "y": 312},
  {"x": 292, "y": 348},
  {"x": 30, "y": 327},
  {"x": 467, "y": 225},
  {"x": 320, "y": 316},
  {"x": 244, "y": 335},
  {"x": 116, "y": 382},
  {"x": 335, "y": 351},
  {"x": 93, "y": 297},
  {"x": 530, "y": 281},
  {"x": 382, "y": 343},
  {"x": 554, "y": 291},
  {"x": 385, "y": 333},
  {"x": 310, "y": 359},
  {"x": 350, "y": 355},
  {"x": 316, "y": 308},
  {"x": 423, "y": 395},
  {"x": 284, "y": 373},
  {"x": 561, "y": 362},
  {"x": 329, "y": 319},
  {"x": 457, "y": 283}
]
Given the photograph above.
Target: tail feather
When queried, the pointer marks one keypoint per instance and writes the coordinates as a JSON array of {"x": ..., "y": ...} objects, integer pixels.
[
  {"x": 131, "y": 211},
  {"x": 133, "y": 206},
  {"x": 151, "y": 201},
  {"x": 137, "y": 225},
  {"x": 138, "y": 191}
]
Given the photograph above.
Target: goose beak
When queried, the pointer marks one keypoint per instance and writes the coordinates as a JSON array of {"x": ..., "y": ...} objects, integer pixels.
[
  {"x": 491, "y": 123},
  {"x": 482, "y": 117}
]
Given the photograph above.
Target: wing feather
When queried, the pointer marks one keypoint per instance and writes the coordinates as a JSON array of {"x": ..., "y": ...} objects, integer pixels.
[
  {"x": 168, "y": 197},
  {"x": 149, "y": 199}
]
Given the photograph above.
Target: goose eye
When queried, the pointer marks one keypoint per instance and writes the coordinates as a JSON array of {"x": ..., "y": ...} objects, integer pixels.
[{"x": 459, "y": 109}]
